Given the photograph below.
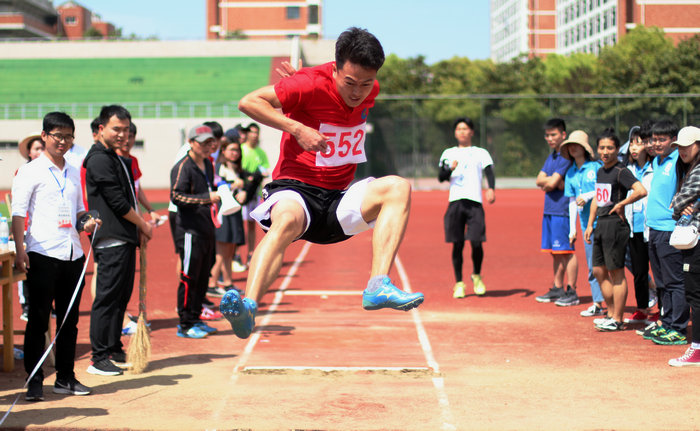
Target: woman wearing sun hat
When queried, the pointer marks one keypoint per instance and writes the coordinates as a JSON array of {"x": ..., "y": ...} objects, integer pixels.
[
  {"x": 31, "y": 146},
  {"x": 579, "y": 187}
]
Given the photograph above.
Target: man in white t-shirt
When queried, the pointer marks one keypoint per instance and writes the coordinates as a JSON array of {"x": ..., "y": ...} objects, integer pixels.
[{"x": 463, "y": 166}]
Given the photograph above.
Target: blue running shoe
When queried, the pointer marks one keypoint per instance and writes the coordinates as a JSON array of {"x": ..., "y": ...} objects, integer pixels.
[
  {"x": 240, "y": 313},
  {"x": 193, "y": 332},
  {"x": 206, "y": 328},
  {"x": 390, "y": 296}
]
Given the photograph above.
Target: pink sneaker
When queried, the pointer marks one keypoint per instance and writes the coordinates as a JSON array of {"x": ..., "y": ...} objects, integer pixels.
[
  {"x": 691, "y": 358},
  {"x": 209, "y": 314},
  {"x": 637, "y": 317}
]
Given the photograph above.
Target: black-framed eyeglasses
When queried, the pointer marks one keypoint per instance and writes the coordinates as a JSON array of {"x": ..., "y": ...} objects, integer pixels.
[{"x": 58, "y": 137}]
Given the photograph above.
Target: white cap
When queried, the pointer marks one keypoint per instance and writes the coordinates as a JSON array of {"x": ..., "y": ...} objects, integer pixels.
[{"x": 687, "y": 136}]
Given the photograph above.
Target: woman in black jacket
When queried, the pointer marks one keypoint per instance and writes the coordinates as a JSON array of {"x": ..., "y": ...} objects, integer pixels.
[{"x": 230, "y": 234}]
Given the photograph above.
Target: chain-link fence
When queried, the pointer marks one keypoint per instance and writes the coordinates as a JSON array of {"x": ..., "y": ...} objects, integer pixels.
[{"x": 410, "y": 132}]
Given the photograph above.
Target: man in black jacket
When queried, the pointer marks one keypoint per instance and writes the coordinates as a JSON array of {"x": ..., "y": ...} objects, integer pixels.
[{"x": 110, "y": 191}]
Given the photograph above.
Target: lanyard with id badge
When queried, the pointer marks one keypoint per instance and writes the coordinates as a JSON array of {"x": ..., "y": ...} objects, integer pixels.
[{"x": 64, "y": 215}]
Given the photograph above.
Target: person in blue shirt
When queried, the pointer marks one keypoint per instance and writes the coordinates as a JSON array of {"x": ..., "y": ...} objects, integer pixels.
[
  {"x": 555, "y": 218},
  {"x": 666, "y": 261},
  {"x": 579, "y": 187}
]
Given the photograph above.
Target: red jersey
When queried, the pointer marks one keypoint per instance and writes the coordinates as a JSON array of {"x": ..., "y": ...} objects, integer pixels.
[{"x": 310, "y": 97}]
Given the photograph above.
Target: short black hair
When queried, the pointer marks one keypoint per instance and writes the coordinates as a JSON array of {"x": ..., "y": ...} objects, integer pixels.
[
  {"x": 645, "y": 129},
  {"x": 253, "y": 125},
  {"x": 110, "y": 111},
  {"x": 665, "y": 128},
  {"x": 555, "y": 123},
  {"x": 360, "y": 47},
  {"x": 132, "y": 128},
  {"x": 216, "y": 129},
  {"x": 466, "y": 120},
  {"x": 609, "y": 133},
  {"x": 95, "y": 125},
  {"x": 55, "y": 120}
]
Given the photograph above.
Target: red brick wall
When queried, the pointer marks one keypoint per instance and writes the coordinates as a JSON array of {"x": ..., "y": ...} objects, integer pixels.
[
  {"x": 77, "y": 29},
  {"x": 103, "y": 27},
  {"x": 212, "y": 18}
]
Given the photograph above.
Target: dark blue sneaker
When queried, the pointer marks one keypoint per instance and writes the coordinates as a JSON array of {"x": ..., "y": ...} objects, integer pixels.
[
  {"x": 390, "y": 296},
  {"x": 240, "y": 313}
]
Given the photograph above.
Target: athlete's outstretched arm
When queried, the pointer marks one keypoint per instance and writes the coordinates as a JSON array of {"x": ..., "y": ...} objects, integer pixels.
[{"x": 262, "y": 105}]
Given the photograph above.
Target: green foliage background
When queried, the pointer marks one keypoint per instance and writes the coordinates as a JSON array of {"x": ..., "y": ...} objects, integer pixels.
[{"x": 509, "y": 102}]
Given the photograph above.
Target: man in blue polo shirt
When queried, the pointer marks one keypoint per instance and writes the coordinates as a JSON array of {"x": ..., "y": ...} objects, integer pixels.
[
  {"x": 666, "y": 261},
  {"x": 555, "y": 220}
]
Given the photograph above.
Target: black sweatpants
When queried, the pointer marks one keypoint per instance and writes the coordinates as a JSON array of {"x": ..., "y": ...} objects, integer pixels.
[
  {"x": 691, "y": 278},
  {"x": 115, "y": 283},
  {"x": 639, "y": 256},
  {"x": 52, "y": 280},
  {"x": 197, "y": 254}
]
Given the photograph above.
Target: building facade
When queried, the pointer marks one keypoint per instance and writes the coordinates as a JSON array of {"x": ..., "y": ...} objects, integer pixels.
[
  {"x": 522, "y": 27},
  {"x": 28, "y": 19},
  {"x": 39, "y": 19},
  {"x": 264, "y": 19},
  {"x": 540, "y": 27},
  {"x": 75, "y": 21}
]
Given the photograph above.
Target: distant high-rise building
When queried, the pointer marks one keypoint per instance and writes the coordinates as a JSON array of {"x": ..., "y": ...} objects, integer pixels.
[
  {"x": 28, "y": 19},
  {"x": 522, "y": 27},
  {"x": 263, "y": 18},
  {"x": 539, "y": 27}
]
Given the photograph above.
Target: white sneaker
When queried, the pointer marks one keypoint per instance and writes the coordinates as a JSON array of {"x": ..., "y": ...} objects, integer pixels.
[
  {"x": 593, "y": 310},
  {"x": 601, "y": 320}
]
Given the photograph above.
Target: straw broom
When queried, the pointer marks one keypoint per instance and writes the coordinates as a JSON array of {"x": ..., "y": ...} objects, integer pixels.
[{"x": 140, "y": 345}]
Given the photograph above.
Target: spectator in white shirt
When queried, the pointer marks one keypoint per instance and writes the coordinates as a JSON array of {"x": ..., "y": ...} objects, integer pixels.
[{"x": 47, "y": 192}]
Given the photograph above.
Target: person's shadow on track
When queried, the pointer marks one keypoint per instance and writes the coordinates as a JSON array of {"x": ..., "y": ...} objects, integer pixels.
[{"x": 503, "y": 293}]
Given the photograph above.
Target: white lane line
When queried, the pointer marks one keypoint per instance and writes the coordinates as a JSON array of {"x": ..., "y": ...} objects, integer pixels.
[
  {"x": 322, "y": 292},
  {"x": 243, "y": 359},
  {"x": 438, "y": 382},
  {"x": 306, "y": 369}
]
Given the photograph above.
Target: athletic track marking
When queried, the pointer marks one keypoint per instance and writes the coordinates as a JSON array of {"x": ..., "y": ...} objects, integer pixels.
[{"x": 438, "y": 381}]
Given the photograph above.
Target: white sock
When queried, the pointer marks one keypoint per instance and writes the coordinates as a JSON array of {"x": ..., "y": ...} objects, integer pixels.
[{"x": 375, "y": 282}]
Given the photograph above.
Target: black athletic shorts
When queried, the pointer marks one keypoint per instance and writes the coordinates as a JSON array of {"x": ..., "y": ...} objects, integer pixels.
[
  {"x": 461, "y": 214},
  {"x": 321, "y": 203},
  {"x": 610, "y": 239}
]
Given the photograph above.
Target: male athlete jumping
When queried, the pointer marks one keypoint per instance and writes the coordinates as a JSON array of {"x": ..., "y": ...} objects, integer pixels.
[{"x": 324, "y": 118}]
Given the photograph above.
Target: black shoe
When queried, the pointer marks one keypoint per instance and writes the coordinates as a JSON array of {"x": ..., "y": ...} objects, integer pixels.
[
  {"x": 70, "y": 387},
  {"x": 208, "y": 303},
  {"x": 216, "y": 291},
  {"x": 568, "y": 299},
  {"x": 35, "y": 390},
  {"x": 119, "y": 359},
  {"x": 104, "y": 367},
  {"x": 551, "y": 296}
]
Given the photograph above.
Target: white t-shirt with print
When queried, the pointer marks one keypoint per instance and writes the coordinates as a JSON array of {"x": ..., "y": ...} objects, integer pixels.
[{"x": 465, "y": 181}]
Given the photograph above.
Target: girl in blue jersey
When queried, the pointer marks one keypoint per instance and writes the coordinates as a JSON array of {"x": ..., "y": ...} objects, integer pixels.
[{"x": 579, "y": 187}]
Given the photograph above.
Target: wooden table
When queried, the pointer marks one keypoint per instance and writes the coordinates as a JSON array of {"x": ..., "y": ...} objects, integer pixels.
[{"x": 8, "y": 277}]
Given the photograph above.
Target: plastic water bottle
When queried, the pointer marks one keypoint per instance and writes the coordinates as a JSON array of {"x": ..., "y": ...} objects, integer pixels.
[
  {"x": 4, "y": 235},
  {"x": 684, "y": 220}
]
